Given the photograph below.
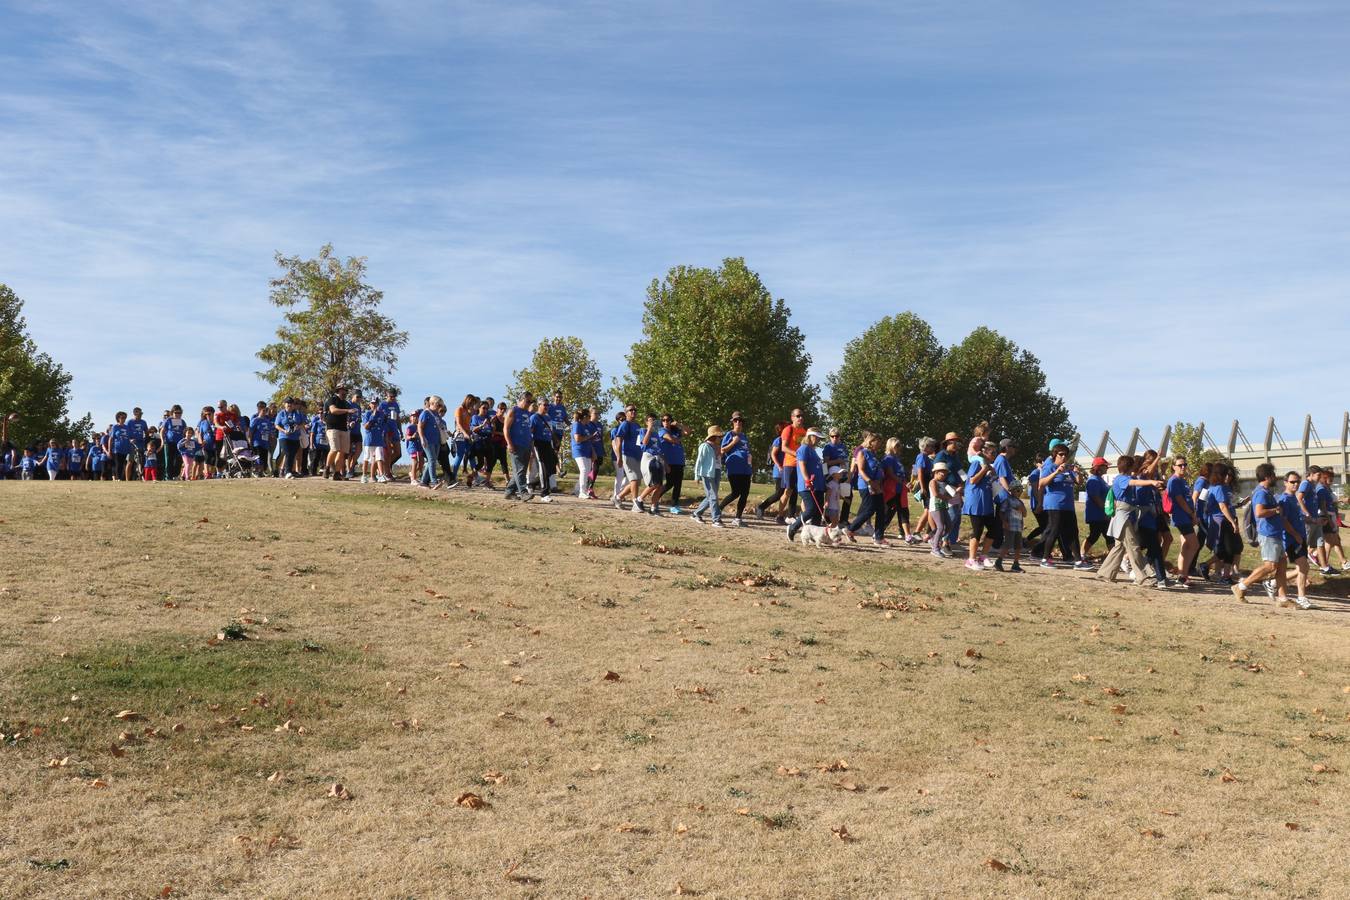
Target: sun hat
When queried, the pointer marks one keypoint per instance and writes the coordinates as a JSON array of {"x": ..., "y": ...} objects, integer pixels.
[
  {"x": 714, "y": 431},
  {"x": 1099, "y": 461},
  {"x": 811, "y": 432},
  {"x": 834, "y": 470},
  {"x": 939, "y": 467}
]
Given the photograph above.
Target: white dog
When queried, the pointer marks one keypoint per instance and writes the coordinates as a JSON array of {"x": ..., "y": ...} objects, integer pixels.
[{"x": 820, "y": 535}]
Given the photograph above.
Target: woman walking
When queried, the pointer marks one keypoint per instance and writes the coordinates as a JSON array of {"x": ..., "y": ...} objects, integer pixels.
[
  {"x": 737, "y": 462},
  {"x": 708, "y": 470},
  {"x": 872, "y": 507}
]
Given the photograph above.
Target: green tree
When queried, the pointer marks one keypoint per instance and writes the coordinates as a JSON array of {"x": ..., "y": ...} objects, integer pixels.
[
  {"x": 1189, "y": 442},
  {"x": 714, "y": 341},
  {"x": 334, "y": 332},
  {"x": 34, "y": 388},
  {"x": 885, "y": 383},
  {"x": 987, "y": 377},
  {"x": 561, "y": 364}
]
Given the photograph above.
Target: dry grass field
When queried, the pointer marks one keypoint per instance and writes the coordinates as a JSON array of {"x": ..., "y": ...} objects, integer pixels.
[{"x": 570, "y": 701}]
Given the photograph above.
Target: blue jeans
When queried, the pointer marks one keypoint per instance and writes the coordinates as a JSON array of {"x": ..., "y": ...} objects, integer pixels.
[
  {"x": 520, "y": 472},
  {"x": 874, "y": 508},
  {"x": 459, "y": 455},
  {"x": 429, "y": 454},
  {"x": 710, "y": 486},
  {"x": 953, "y": 533}
]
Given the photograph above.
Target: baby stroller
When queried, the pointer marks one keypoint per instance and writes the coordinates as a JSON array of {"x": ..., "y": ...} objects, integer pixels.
[{"x": 239, "y": 459}]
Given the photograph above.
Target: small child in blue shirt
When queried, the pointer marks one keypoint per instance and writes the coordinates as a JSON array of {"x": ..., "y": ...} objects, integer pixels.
[
  {"x": 54, "y": 459},
  {"x": 27, "y": 465},
  {"x": 150, "y": 470}
]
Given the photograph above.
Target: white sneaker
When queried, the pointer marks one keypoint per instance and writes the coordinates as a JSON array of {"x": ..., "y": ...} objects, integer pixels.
[
  {"x": 974, "y": 565},
  {"x": 378, "y": 478},
  {"x": 290, "y": 474},
  {"x": 365, "y": 479},
  {"x": 547, "y": 498},
  {"x": 740, "y": 523},
  {"x": 1269, "y": 586},
  {"x": 637, "y": 506},
  {"x": 696, "y": 518},
  {"x": 1304, "y": 603},
  {"x": 718, "y": 524}
]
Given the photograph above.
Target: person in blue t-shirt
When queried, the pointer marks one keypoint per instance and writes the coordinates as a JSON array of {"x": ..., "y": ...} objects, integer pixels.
[
  {"x": 171, "y": 431},
  {"x": 1296, "y": 537},
  {"x": 1124, "y": 525},
  {"x": 923, "y": 474},
  {"x": 1094, "y": 508},
  {"x": 653, "y": 467},
  {"x": 776, "y": 459},
  {"x": 1224, "y": 533},
  {"x": 261, "y": 431},
  {"x": 627, "y": 458},
  {"x": 810, "y": 477},
  {"x": 583, "y": 452},
  {"x": 1271, "y": 529},
  {"x": 53, "y": 460},
  {"x": 978, "y": 504},
  {"x": 1057, "y": 482},
  {"x": 541, "y": 430},
  {"x": 869, "y": 487},
  {"x": 75, "y": 461},
  {"x": 1178, "y": 494},
  {"x": 27, "y": 464},
  {"x": 672, "y": 436},
  {"x": 736, "y": 462},
  {"x": 1331, "y": 528},
  {"x": 520, "y": 446},
  {"x": 559, "y": 420},
  {"x": 372, "y": 442},
  {"x": 118, "y": 442},
  {"x": 290, "y": 425},
  {"x": 393, "y": 425}
]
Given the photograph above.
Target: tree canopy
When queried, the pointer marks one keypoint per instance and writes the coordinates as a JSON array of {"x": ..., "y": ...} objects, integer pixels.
[
  {"x": 714, "y": 341},
  {"x": 33, "y": 386},
  {"x": 1188, "y": 442},
  {"x": 561, "y": 364},
  {"x": 898, "y": 381},
  {"x": 334, "y": 332}
]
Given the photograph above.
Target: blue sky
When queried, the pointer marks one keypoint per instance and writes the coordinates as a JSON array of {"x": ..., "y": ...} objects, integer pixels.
[{"x": 1151, "y": 197}]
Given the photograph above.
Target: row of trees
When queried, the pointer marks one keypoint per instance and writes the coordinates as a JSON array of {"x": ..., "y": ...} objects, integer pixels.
[{"x": 713, "y": 341}]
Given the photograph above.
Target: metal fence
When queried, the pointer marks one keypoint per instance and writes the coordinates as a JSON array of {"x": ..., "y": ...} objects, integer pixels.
[{"x": 1311, "y": 449}]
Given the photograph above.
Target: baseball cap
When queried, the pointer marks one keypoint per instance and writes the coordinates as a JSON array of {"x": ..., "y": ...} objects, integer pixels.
[
  {"x": 1056, "y": 443},
  {"x": 1099, "y": 461}
]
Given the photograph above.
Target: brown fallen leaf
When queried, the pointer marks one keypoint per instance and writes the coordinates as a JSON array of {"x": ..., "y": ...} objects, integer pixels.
[
  {"x": 1150, "y": 832},
  {"x": 1228, "y": 777},
  {"x": 996, "y": 865},
  {"x": 117, "y": 751},
  {"x": 611, "y": 676},
  {"x": 681, "y": 828},
  {"x": 789, "y": 771},
  {"x": 742, "y": 810},
  {"x": 492, "y": 776},
  {"x": 847, "y": 785},
  {"x": 1080, "y": 677},
  {"x": 98, "y": 783},
  {"x": 337, "y": 790},
  {"x": 838, "y": 765},
  {"x": 1322, "y": 768},
  {"x": 178, "y": 728},
  {"x": 276, "y": 778},
  {"x": 842, "y": 832},
  {"x": 1113, "y": 691},
  {"x": 632, "y": 828},
  {"x": 1293, "y": 826},
  {"x": 470, "y": 800},
  {"x": 127, "y": 714},
  {"x": 58, "y": 763},
  {"x": 1168, "y": 812},
  {"x": 973, "y": 653}
]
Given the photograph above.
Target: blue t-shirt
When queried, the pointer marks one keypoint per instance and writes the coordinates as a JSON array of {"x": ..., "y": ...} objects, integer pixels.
[
  {"x": 1058, "y": 492},
  {"x": 319, "y": 432},
  {"x": 627, "y": 434},
  {"x": 1293, "y": 513},
  {"x": 1120, "y": 486},
  {"x": 557, "y": 416},
  {"x": 892, "y": 466},
  {"x": 674, "y": 450},
  {"x": 774, "y": 455},
  {"x": 260, "y": 430},
  {"x": 54, "y": 457},
  {"x": 480, "y": 425},
  {"x": 873, "y": 469},
  {"x": 1146, "y": 495},
  {"x": 188, "y": 447},
  {"x": 808, "y": 458},
  {"x": 1308, "y": 490},
  {"x": 1267, "y": 526},
  {"x": 541, "y": 429},
  {"x": 1095, "y": 508},
  {"x": 74, "y": 459},
  {"x": 652, "y": 444},
  {"x": 1002, "y": 469},
  {"x": 428, "y": 422},
  {"x": 119, "y": 439},
  {"x": 96, "y": 458},
  {"x": 581, "y": 436},
  {"x": 833, "y": 454},
  {"x": 372, "y": 428},
  {"x": 923, "y": 468},
  {"x": 1326, "y": 500},
  {"x": 1033, "y": 479},
  {"x": 979, "y": 499},
  {"x": 207, "y": 429},
  {"x": 288, "y": 424},
  {"x": 1179, "y": 491},
  {"x": 136, "y": 430},
  {"x": 521, "y": 433},
  {"x": 171, "y": 430},
  {"x": 1218, "y": 494},
  {"x": 736, "y": 453},
  {"x": 953, "y": 466},
  {"x": 28, "y": 464},
  {"x": 391, "y": 413},
  {"x": 411, "y": 442}
]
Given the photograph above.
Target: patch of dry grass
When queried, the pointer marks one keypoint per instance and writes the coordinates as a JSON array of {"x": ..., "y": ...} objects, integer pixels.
[{"x": 778, "y": 722}]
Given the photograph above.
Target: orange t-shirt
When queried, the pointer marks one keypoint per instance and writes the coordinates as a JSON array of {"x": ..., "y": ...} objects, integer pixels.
[{"x": 792, "y": 439}]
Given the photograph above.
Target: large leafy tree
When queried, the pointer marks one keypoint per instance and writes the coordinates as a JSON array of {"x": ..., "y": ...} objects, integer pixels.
[
  {"x": 885, "y": 383},
  {"x": 987, "y": 377},
  {"x": 561, "y": 364},
  {"x": 34, "y": 388},
  {"x": 1188, "y": 442},
  {"x": 716, "y": 340},
  {"x": 334, "y": 332}
]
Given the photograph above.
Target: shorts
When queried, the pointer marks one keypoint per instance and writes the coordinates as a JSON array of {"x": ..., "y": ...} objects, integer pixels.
[
  {"x": 1272, "y": 548},
  {"x": 653, "y": 471},
  {"x": 979, "y": 525},
  {"x": 372, "y": 453},
  {"x": 1096, "y": 530},
  {"x": 1314, "y": 534},
  {"x": 1184, "y": 530},
  {"x": 1297, "y": 552},
  {"x": 340, "y": 439},
  {"x": 630, "y": 468}
]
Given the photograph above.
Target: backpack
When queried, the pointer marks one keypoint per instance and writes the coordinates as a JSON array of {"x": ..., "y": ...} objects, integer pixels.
[
  {"x": 1109, "y": 507},
  {"x": 1249, "y": 524},
  {"x": 1167, "y": 501}
]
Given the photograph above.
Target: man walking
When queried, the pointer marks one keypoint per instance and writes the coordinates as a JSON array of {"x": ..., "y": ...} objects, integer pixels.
[
  {"x": 336, "y": 414},
  {"x": 1270, "y": 530},
  {"x": 519, "y": 446}
]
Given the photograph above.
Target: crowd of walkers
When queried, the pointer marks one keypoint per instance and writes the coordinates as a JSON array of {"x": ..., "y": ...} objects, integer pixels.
[{"x": 817, "y": 480}]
